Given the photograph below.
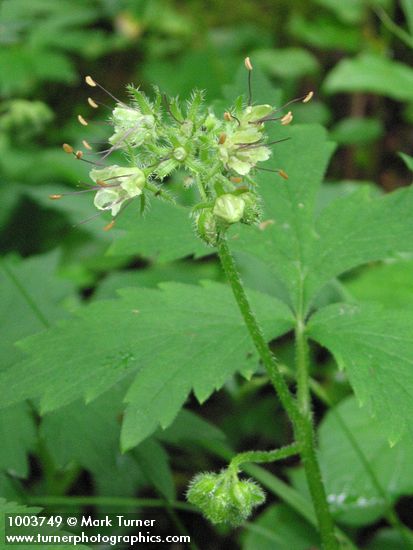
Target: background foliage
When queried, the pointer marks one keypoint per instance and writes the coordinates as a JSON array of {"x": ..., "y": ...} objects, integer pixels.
[{"x": 107, "y": 312}]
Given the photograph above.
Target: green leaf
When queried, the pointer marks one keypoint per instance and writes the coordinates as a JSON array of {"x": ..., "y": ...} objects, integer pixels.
[
  {"x": 305, "y": 249},
  {"x": 354, "y": 497},
  {"x": 375, "y": 347},
  {"x": 325, "y": 32},
  {"x": 18, "y": 438},
  {"x": 285, "y": 244},
  {"x": 351, "y": 11},
  {"x": 154, "y": 463},
  {"x": 188, "y": 426},
  {"x": 180, "y": 272},
  {"x": 407, "y": 7},
  {"x": 86, "y": 435},
  {"x": 383, "y": 230},
  {"x": 389, "y": 539},
  {"x": 200, "y": 68},
  {"x": 8, "y": 488},
  {"x": 279, "y": 528},
  {"x": 357, "y": 131},
  {"x": 371, "y": 73},
  {"x": 25, "y": 306},
  {"x": 165, "y": 233},
  {"x": 408, "y": 160},
  {"x": 286, "y": 63},
  {"x": 175, "y": 339},
  {"x": 89, "y": 436},
  {"x": 372, "y": 285}
]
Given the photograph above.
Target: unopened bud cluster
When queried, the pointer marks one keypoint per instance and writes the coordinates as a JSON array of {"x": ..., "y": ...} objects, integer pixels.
[
  {"x": 219, "y": 155},
  {"x": 223, "y": 497}
]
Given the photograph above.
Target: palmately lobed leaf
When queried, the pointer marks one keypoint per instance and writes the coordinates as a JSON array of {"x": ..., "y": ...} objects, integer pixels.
[
  {"x": 357, "y": 229},
  {"x": 375, "y": 347},
  {"x": 173, "y": 340},
  {"x": 304, "y": 247},
  {"x": 284, "y": 241},
  {"x": 345, "y": 432}
]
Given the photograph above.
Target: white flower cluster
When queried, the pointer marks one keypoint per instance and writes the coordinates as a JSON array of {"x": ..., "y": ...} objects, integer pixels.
[{"x": 159, "y": 136}]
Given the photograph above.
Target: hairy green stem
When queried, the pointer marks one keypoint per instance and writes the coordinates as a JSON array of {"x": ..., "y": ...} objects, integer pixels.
[
  {"x": 264, "y": 456},
  {"x": 301, "y": 351},
  {"x": 303, "y": 428},
  {"x": 254, "y": 329}
]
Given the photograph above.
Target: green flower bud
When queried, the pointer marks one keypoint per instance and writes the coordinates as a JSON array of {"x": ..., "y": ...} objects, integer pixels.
[
  {"x": 180, "y": 154},
  {"x": 224, "y": 498},
  {"x": 206, "y": 226},
  {"x": 229, "y": 208}
]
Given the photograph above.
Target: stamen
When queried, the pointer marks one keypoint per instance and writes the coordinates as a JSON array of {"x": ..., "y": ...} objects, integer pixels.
[
  {"x": 92, "y": 103},
  {"x": 237, "y": 119},
  {"x": 82, "y": 120},
  {"x": 79, "y": 156},
  {"x": 247, "y": 146},
  {"x": 248, "y": 66},
  {"x": 304, "y": 99},
  {"x": 120, "y": 141},
  {"x": 222, "y": 138},
  {"x": 308, "y": 97},
  {"x": 90, "y": 82},
  {"x": 87, "y": 145},
  {"x": 280, "y": 172},
  {"x": 67, "y": 148},
  {"x": 91, "y": 217},
  {"x": 287, "y": 119},
  {"x": 109, "y": 226},
  {"x": 71, "y": 193},
  {"x": 91, "y": 161}
]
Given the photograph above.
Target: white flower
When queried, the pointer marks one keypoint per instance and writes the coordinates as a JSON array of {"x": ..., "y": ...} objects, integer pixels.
[
  {"x": 131, "y": 126},
  {"x": 110, "y": 199},
  {"x": 241, "y": 150},
  {"x": 118, "y": 185}
]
